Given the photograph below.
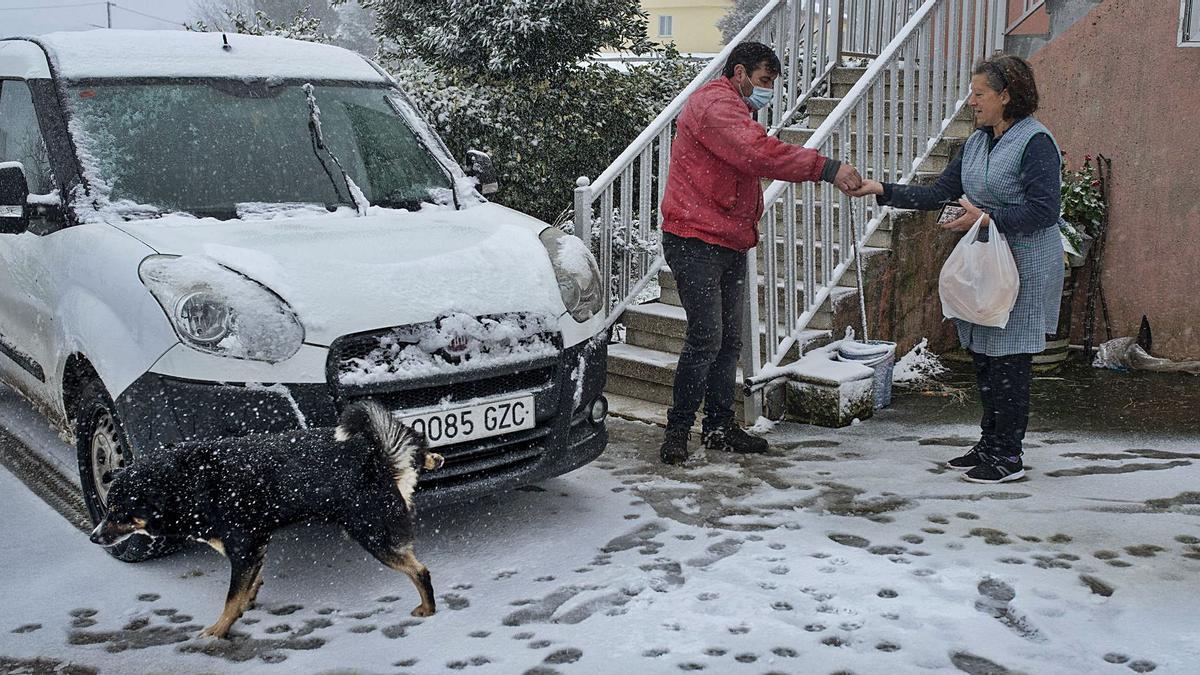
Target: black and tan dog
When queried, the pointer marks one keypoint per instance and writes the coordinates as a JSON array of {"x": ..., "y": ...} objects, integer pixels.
[{"x": 234, "y": 493}]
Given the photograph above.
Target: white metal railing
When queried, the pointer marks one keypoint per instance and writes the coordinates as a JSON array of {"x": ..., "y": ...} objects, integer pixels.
[
  {"x": 886, "y": 125},
  {"x": 808, "y": 42}
]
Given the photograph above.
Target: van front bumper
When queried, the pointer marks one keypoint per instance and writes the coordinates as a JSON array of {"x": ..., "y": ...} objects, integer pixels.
[{"x": 158, "y": 410}]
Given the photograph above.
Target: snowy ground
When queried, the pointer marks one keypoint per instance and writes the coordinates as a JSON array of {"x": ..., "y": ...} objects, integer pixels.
[{"x": 846, "y": 551}]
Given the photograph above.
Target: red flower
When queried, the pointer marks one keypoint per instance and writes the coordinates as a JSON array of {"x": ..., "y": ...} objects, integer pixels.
[{"x": 1096, "y": 183}]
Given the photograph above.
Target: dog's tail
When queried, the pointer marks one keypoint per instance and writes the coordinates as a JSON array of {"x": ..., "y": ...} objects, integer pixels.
[{"x": 394, "y": 440}]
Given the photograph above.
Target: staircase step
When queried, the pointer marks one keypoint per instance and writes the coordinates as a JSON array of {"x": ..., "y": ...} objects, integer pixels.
[
  {"x": 841, "y": 89},
  {"x": 664, "y": 326},
  {"x": 799, "y": 135},
  {"x": 819, "y": 109},
  {"x": 852, "y": 74},
  {"x": 825, "y": 105},
  {"x": 640, "y": 410},
  {"x": 957, "y": 128},
  {"x": 655, "y": 320},
  {"x": 647, "y": 374}
]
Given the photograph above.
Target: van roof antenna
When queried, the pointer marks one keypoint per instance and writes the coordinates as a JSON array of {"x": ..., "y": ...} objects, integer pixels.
[{"x": 225, "y": 42}]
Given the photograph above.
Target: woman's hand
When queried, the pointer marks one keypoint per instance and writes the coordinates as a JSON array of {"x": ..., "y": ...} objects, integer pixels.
[
  {"x": 868, "y": 187},
  {"x": 967, "y": 219}
]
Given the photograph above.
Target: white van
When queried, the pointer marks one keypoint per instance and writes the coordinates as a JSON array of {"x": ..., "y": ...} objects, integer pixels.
[{"x": 206, "y": 235}]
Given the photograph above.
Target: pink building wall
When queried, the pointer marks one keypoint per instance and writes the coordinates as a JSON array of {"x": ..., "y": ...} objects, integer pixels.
[{"x": 1132, "y": 95}]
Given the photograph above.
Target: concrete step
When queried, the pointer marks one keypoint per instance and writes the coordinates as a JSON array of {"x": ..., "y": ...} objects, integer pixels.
[
  {"x": 819, "y": 109},
  {"x": 841, "y": 89},
  {"x": 781, "y": 250},
  {"x": 659, "y": 325},
  {"x": 669, "y": 290},
  {"x": 663, "y": 325},
  {"x": 819, "y": 209},
  {"x": 824, "y": 105},
  {"x": 635, "y": 409},
  {"x": 799, "y": 135},
  {"x": 647, "y": 374},
  {"x": 843, "y": 75}
]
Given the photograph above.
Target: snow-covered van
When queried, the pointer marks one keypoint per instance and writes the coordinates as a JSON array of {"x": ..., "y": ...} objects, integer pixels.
[{"x": 207, "y": 235}]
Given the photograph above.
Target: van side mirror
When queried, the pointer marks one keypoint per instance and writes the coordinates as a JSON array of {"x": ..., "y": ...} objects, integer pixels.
[
  {"x": 481, "y": 167},
  {"x": 14, "y": 191}
]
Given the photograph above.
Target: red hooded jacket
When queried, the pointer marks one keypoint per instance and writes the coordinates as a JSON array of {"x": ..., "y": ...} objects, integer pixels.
[{"x": 719, "y": 154}]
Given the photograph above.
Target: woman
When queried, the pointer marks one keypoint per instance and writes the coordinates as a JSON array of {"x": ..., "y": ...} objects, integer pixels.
[{"x": 1009, "y": 174}]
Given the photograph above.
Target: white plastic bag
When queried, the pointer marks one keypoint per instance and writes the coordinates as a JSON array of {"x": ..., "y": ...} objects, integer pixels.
[{"x": 979, "y": 281}]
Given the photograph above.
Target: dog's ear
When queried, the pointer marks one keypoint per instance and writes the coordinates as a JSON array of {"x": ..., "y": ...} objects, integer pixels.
[{"x": 433, "y": 461}]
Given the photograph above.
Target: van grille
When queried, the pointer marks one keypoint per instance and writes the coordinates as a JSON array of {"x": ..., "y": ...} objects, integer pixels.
[{"x": 461, "y": 382}]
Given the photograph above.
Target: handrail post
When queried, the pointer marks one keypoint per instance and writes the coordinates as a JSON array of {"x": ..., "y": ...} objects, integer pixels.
[
  {"x": 751, "y": 356},
  {"x": 583, "y": 210},
  {"x": 835, "y": 15}
]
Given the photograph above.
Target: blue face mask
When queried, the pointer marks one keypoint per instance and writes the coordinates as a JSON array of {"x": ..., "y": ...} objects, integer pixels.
[{"x": 760, "y": 98}]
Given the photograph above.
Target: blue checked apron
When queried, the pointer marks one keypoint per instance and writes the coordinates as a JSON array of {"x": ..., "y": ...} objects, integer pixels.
[{"x": 991, "y": 180}]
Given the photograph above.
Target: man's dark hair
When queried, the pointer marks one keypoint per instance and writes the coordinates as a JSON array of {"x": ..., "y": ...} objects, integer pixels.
[
  {"x": 752, "y": 55},
  {"x": 1014, "y": 74}
]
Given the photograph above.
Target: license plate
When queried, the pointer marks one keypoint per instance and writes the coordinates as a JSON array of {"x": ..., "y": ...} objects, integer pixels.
[{"x": 459, "y": 425}]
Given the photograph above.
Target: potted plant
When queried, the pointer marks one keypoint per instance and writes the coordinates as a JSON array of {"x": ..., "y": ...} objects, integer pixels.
[{"x": 1082, "y": 209}]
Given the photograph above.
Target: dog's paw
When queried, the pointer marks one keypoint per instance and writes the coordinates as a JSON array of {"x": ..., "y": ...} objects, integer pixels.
[
  {"x": 216, "y": 631},
  {"x": 423, "y": 611}
]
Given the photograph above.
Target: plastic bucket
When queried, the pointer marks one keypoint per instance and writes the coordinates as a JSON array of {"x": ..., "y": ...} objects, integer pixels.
[{"x": 880, "y": 355}]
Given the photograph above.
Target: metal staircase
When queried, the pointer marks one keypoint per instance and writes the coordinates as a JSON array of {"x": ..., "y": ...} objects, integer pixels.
[{"x": 884, "y": 88}]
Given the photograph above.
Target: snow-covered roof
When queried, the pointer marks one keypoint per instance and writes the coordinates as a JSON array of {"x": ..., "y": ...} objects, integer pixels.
[{"x": 173, "y": 53}]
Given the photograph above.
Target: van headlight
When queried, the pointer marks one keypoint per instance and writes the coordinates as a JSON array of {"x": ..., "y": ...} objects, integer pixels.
[
  {"x": 577, "y": 273},
  {"x": 219, "y": 311}
]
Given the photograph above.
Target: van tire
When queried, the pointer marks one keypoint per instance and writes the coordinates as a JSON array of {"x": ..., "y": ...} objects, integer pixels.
[{"x": 103, "y": 448}]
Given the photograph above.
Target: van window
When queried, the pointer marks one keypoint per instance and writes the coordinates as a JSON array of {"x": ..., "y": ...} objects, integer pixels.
[
  {"x": 209, "y": 147},
  {"x": 21, "y": 139}
]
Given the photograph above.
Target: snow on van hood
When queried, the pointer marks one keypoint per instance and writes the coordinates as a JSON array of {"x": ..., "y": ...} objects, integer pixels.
[{"x": 343, "y": 274}]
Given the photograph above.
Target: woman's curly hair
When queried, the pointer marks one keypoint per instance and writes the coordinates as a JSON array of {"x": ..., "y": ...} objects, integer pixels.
[{"x": 1013, "y": 73}]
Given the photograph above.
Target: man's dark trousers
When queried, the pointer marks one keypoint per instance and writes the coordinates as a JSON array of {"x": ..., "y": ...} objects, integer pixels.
[
  {"x": 712, "y": 288},
  {"x": 1004, "y": 389}
]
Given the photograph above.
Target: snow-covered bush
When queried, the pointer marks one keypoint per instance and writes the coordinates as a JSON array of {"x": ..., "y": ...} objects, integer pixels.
[
  {"x": 542, "y": 133},
  {"x": 340, "y": 22},
  {"x": 506, "y": 38},
  {"x": 302, "y": 26},
  {"x": 737, "y": 17}
]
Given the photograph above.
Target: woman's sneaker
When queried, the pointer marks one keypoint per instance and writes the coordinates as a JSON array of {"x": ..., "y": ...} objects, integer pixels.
[
  {"x": 968, "y": 461},
  {"x": 996, "y": 470}
]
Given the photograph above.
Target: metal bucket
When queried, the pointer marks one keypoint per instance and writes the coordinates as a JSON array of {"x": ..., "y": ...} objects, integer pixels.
[{"x": 879, "y": 355}]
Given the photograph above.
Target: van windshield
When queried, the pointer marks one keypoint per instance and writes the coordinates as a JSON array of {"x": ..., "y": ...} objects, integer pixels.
[{"x": 215, "y": 147}]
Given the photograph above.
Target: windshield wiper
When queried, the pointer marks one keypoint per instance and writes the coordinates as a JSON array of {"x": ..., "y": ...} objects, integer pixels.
[
  {"x": 400, "y": 203},
  {"x": 318, "y": 141}
]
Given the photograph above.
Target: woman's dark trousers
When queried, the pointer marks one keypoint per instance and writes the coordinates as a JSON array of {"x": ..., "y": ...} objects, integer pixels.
[
  {"x": 712, "y": 289},
  {"x": 1004, "y": 388}
]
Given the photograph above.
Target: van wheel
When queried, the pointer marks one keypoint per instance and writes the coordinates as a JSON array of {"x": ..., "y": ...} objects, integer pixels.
[{"x": 103, "y": 450}]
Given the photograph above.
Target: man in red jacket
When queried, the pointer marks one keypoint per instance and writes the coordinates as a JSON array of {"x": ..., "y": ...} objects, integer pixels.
[{"x": 711, "y": 209}]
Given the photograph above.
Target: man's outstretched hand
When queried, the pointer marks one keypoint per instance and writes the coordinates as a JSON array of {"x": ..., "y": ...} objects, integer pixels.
[
  {"x": 847, "y": 179},
  {"x": 868, "y": 187}
]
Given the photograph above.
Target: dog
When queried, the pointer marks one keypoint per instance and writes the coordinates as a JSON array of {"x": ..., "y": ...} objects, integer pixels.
[{"x": 233, "y": 493}]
